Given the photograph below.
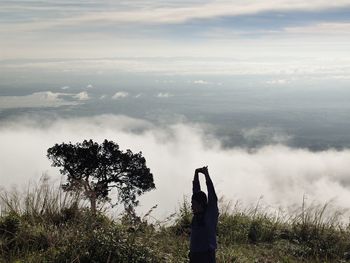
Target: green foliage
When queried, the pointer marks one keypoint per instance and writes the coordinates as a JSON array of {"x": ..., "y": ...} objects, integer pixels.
[
  {"x": 98, "y": 239},
  {"x": 182, "y": 225},
  {"x": 9, "y": 225},
  {"x": 317, "y": 234},
  {"x": 262, "y": 229},
  {"x": 233, "y": 228},
  {"x": 68, "y": 231}
]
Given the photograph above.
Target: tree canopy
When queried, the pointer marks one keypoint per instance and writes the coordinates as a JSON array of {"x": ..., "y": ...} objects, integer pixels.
[{"x": 97, "y": 168}]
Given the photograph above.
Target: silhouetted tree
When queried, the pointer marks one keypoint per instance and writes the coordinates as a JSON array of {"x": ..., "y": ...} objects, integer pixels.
[{"x": 97, "y": 168}]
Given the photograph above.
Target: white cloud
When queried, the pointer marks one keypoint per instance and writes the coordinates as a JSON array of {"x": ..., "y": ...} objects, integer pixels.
[
  {"x": 281, "y": 174},
  {"x": 205, "y": 82},
  {"x": 334, "y": 65},
  {"x": 103, "y": 43},
  {"x": 65, "y": 87},
  {"x": 89, "y": 86},
  {"x": 120, "y": 95},
  {"x": 82, "y": 96},
  {"x": 277, "y": 82},
  {"x": 37, "y": 99},
  {"x": 165, "y": 81},
  {"x": 201, "y": 82},
  {"x": 340, "y": 77},
  {"x": 42, "y": 99},
  {"x": 321, "y": 28},
  {"x": 138, "y": 95},
  {"x": 103, "y": 96},
  {"x": 164, "y": 95}
]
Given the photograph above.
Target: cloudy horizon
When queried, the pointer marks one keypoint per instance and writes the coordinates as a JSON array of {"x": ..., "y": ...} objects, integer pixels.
[
  {"x": 281, "y": 175},
  {"x": 233, "y": 84}
]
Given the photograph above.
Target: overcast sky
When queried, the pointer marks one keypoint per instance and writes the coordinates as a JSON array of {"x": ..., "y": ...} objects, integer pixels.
[
  {"x": 271, "y": 74},
  {"x": 313, "y": 34},
  {"x": 282, "y": 39}
]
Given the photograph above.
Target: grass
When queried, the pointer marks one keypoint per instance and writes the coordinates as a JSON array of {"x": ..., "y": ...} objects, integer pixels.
[{"x": 45, "y": 224}]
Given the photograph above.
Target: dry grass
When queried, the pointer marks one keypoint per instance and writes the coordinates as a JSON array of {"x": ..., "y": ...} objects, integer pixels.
[{"x": 45, "y": 224}]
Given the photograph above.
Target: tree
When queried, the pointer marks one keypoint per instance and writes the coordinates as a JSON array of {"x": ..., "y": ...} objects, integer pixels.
[{"x": 97, "y": 168}]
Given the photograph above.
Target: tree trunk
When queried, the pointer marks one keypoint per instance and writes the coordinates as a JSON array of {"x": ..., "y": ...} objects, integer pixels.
[{"x": 93, "y": 204}]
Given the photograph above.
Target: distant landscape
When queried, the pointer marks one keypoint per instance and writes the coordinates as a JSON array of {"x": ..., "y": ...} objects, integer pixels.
[
  {"x": 297, "y": 114},
  {"x": 257, "y": 91}
]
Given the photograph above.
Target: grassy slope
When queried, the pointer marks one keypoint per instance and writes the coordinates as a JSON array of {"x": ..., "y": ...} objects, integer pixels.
[{"x": 47, "y": 225}]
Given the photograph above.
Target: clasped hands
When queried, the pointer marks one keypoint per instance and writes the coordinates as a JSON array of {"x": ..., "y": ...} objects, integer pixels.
[{"x": 203, "y": 170}]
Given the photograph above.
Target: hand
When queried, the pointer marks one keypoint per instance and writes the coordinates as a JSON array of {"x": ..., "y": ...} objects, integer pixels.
[{"x": 203, "y": 170}]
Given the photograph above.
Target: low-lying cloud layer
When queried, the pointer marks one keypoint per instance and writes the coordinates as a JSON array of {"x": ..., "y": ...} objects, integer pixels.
[
  {"x": 42, "y": 99},
  {"x": 280, "y": 174},
  {"x": 293, "y": 65},
  {"x": 37, "y": 99}
]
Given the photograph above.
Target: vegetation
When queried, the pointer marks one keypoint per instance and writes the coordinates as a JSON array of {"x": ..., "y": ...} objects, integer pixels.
[
  {"x": 46, "y": 224},
  {"x": 97, "y": 168}
]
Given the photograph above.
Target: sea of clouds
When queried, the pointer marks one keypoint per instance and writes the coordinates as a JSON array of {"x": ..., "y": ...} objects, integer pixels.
[{"x": 280, "y": 175}]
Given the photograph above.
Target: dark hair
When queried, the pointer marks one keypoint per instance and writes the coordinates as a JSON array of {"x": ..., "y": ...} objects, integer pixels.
[{"x": 201, "y": 198}]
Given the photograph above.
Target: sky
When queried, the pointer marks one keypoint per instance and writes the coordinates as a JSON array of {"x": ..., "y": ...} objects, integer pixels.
[
  {"x": 280, "y": 37},
  {"x": 234, "y": 84},
  {"x": 279, "y": 29}
]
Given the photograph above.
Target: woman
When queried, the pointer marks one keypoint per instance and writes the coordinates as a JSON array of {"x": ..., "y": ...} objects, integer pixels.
[{"x": 204, "y": 222}]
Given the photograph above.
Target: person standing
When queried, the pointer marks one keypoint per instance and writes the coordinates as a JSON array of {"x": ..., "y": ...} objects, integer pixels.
[{"x": 205, "y": 210}]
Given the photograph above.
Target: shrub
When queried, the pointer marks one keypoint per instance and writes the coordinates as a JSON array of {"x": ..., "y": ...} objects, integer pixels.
[
  {"x": 182, "y": 225},
  {"x": 9, "y": 225}
]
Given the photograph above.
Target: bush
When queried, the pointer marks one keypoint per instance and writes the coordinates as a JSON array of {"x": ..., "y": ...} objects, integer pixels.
[
  {"x": 233, "y": 228},
  {"x": 109, "y": 243},
  {"x": 182, "y": 225},
  {"x": 9, "y": 225}
]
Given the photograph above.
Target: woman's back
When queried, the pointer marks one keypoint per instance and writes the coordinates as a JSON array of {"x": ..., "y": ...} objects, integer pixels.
[{"x": 204, "y": 223}]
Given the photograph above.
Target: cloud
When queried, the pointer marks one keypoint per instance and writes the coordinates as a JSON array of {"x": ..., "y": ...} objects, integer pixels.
[
  {"x": 65, "y": 87},
  {"x": 164, "y": 95},
  {"x": 340, "y": 77},
  {"x": 204, "y": 82},
  {"x": 165, "y": 81},
  {"x": 35, "y": 100},
  {"x": 197, "y": 66},
  {"x": 42, "y": 99},
  {"x": 89, "y": 86},
  {"x": 201, "y": 82},
  {"x": 82, "y": 96},
  {"x": 120, "y": 95},
  {"x": 122, "y": 25},
  {"x": 280, "y": 174},
  {"x": 265, "y": 136},
  {"x": 177, "y": 14},
  {"x": 277, "y": 82},
  {"x": 321, "y": 28}
]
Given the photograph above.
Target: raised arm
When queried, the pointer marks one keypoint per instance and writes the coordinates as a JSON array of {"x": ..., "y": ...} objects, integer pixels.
[
  {"x": 196, "y": 187},
  {"x": 212, "y": 198}
]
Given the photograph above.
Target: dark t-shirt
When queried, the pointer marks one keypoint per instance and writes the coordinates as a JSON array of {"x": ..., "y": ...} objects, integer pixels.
[{"x": 203, "y": 232}]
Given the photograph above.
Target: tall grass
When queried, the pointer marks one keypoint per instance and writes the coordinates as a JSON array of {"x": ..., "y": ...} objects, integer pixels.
[
  {"x": 312, "y": 231},
  {"x": 42, "y": 198},
  {"x": 45, "y": 224}
]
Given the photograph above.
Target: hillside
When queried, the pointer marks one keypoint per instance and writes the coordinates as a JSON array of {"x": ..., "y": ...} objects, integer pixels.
[{"x": 45, "y": 224}]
